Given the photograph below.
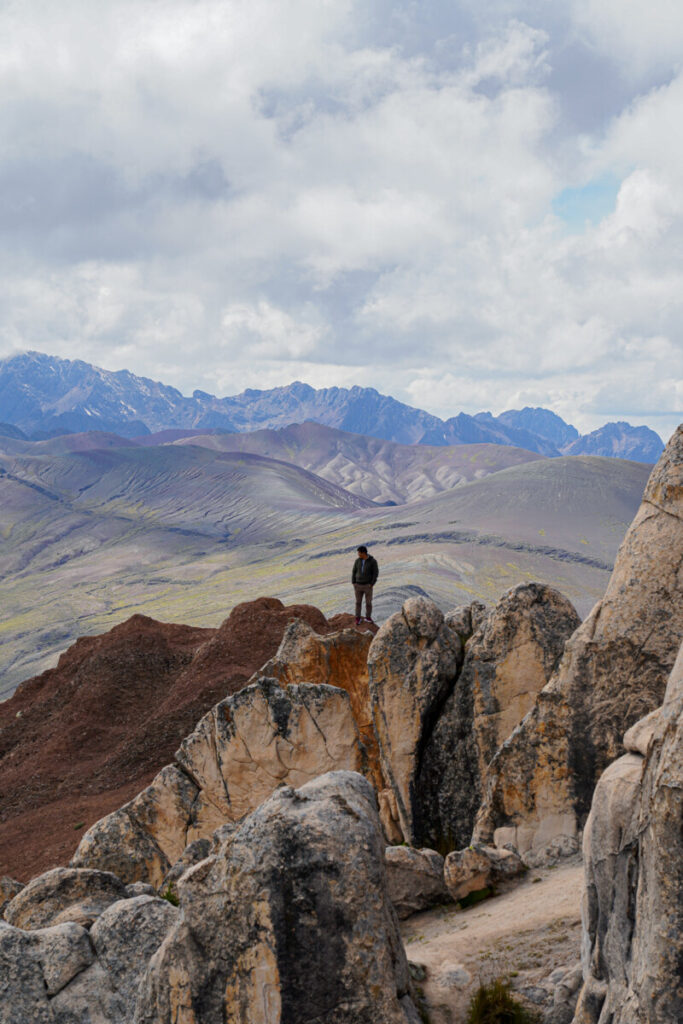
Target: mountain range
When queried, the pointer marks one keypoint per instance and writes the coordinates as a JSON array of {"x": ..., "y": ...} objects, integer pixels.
[
  {"x": 41, "y": 395},
  {"x": 94, "y": 527}
]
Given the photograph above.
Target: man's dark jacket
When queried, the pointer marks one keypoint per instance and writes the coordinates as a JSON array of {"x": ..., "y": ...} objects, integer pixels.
[{"x": 371, "y": 571}]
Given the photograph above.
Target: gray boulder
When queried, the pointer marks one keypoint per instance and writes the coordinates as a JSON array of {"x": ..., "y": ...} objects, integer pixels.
[
  {"x": 64, "y": 894},
  {"x": 23, "y": 996},
  {"x": 125, "y": 938},
  {"x": 414, "y": 879},
  {"x": 63, "y": 952},
  {"x": 289, "y": 921},
  {"x": 480, "y": 867}
]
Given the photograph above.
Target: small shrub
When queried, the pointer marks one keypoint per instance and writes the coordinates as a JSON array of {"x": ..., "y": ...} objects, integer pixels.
[
  {"x": 79, "y": 826},
  {"x": 493, "y": 1004},
  {"x": 170, "y": 895}
]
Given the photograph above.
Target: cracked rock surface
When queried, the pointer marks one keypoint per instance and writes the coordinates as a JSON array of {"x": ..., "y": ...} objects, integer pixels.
[
  {"x": 633, "y": 864},
  {"x": 613, "y": 673},
  {"x": 247, "y": 745},
  {"x": 287, "y": 920}
]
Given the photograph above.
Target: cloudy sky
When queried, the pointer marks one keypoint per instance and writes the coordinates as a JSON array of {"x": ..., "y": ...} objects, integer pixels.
[{"x": 469, "y": 205}]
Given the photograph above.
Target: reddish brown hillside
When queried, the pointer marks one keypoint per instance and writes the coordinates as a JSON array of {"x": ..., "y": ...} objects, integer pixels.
[{"x": 82, "y": 738}]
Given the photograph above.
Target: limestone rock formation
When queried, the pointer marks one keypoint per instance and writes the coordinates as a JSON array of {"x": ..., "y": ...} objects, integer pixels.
[
  {"x": 512, "y": 657},
  {"x": 125, "y": 938},
  {"x": 287, "y": 920},
  {"x": 239, "y": 752},
  {"x": 415, "y": 879},
  {"x": 62, "y": 761},
  {"x": 466, "y": 619},
  {"x": 613, "y": 673},
  {"x": 413, "y": 664},
  {"x": 633, "y": 862},
  {"x": 64, "y": 974},
  {"x": 337, "y": 659},
  {"x": 23, "y": 987},
  {"x": 290, "y": 921},
  {"x": 508, "y": 660},
  {"x": 479, "y": 867},
  {"x": 64, "y": 894}
]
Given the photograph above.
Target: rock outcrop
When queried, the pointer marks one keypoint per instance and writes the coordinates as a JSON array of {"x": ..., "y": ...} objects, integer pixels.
[
  {"x": 64, "y": 974},
  {"x": 336, "y": 659},
  {"x": 64, "y": 763},
  {"x": 415, "y": 879},
  {"x": 289, "y": 921},
  {"x": 613, "y": 673},
  {"x": 633, "y": 861},
  {"x": 466, "y": 619},
  {"x": 439, "y": 724},
  {"x": 413, "y": 664},
  {"x": 479, "y": 867},
  {"x": 248, "y": 744},
  {"x": 63, "y": 895}
]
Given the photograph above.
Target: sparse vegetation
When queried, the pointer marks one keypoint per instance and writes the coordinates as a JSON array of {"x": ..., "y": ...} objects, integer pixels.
[
  {"x": 494, "y": 1004},
  {"x": 170, "y": 894}
]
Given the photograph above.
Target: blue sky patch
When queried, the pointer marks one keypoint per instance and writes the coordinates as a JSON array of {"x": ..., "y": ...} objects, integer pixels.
[{"x": 588, "y": 204}]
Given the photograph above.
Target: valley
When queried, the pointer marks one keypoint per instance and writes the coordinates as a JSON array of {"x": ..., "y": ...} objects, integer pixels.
[{"x": 95, "y": 528}]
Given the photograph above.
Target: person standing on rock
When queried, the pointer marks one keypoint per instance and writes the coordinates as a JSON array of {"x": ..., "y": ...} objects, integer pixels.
[{"x": 364, "y": 576}]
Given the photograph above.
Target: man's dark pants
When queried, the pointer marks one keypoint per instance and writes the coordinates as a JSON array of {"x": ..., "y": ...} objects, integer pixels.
[{"x": 360, "y": 589}]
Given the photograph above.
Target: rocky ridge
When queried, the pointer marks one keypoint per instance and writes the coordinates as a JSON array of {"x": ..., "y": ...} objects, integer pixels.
[{"x": 83, "y": 738}]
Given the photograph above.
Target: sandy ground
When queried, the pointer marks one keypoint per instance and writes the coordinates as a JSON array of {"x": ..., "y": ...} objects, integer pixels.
[{"x": 523, "y": 935}]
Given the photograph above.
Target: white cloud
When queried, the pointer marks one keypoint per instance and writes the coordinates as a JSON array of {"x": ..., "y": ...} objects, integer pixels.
[
  {"x": 269, "y": 332},
  {"x": 517, "y": 57},
  {"x": 250, "y": 192},
  {"x": 640, "y": 36}
]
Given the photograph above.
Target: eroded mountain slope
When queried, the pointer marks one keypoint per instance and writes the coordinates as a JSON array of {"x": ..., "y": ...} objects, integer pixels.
[
  {"x": 381, "y": 471},
  {"x": 80, "y": 739}
]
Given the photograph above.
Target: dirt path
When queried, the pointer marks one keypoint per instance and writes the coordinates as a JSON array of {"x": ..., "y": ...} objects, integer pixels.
[{"x": 523, "y": 935}]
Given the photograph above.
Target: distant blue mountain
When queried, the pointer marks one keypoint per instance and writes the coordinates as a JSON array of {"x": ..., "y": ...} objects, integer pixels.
[
  {"x": 9, "y": 430},
  {"x": 42, "y": 395},
  {"x": 542, "y": 423},
  {"x": 620, "y": 441}
]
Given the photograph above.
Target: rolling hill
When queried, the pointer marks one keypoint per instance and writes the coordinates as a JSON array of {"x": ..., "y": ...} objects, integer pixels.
[
  {"x": 382, "y": 471},
  {"x": 183, "y": 533}
]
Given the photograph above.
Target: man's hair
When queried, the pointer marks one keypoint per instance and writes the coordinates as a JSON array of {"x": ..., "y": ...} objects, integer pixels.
[{"x": 362, "y": 548}]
